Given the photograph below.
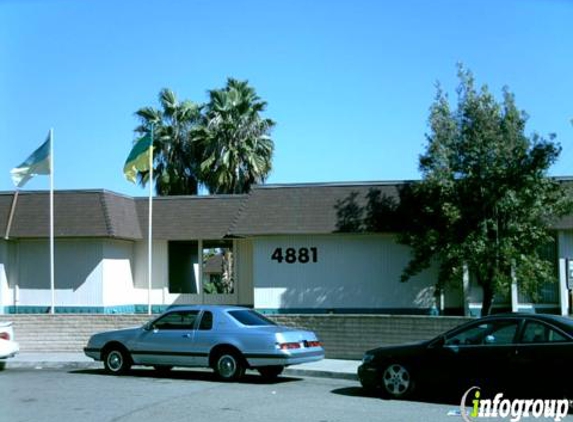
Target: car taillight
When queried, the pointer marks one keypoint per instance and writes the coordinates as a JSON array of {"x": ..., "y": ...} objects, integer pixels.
[
  {"x": 4, "y": 336},
  {"x": 288, "y": 346},
  {"x": 313, "y": 344}
]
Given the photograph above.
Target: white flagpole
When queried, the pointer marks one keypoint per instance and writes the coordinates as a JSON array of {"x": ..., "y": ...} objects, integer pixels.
[
  {"x": 52, "y": 274},
  {"x": 150, "y": 227}
]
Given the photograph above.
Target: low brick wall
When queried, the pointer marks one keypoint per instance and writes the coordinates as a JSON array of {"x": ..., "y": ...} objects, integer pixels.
[
  {"x": 343, "y": 336},
  {"x": 349, "y": 336}
]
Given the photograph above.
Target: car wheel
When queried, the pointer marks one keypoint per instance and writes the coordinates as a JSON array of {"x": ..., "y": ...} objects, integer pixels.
[
  {"x": 229, "y": 366},
  {"x": 270, "y": 372},
  {"x": 163, "y": 369},
  {"x": 397, "y": 381},
  {"x": 117, "y": 361},
  {"x": 2, "y": 365}
]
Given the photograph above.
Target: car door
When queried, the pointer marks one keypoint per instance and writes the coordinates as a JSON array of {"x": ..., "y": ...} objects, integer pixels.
[
  {"x": 205, "y": 338},
  {"x": 478, "y": 354},
  {"x": 168, "y": 340},
  {"x": 543, "y": 357}
]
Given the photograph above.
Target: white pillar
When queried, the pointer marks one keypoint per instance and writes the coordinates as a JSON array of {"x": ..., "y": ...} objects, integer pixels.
[
  {"x": 563, "y": 290},
  {"x": 514, "y": 292},
  {"x": 466, "y": 289},
  {"x": 199, "y": 278}
]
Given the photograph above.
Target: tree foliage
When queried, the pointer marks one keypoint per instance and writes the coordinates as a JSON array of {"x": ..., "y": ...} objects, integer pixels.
[
  {"x": 223, "y": 145},
  {"x": 485, "y": 201},
  {"x": 234, "y": 139},
  {"x": 175, "y": 156}
]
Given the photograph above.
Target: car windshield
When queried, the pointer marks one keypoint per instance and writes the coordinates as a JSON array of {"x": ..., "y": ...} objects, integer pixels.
[{"x": 250, "y": 318}]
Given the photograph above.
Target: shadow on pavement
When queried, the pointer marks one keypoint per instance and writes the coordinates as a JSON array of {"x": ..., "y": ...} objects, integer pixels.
[
  {"x": 434, "y": 397},
  {"x": 187, "y": 375},
  {"x": 453, "y": 396}
]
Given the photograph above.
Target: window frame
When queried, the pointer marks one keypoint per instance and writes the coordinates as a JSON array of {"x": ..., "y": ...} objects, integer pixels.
[{"x": 183, "y": 327}]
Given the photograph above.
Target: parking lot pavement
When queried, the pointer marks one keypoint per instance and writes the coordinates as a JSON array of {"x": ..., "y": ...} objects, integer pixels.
[
  {"x": 90, "y": 395},
  {"x": 326, "y": 368}
]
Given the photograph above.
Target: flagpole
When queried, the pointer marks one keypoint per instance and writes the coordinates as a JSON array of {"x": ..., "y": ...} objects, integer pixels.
[
  {"x": 11, "y": 217},
  {"x": 52, "y": 273},
  {"x": 150, "y": 227}
]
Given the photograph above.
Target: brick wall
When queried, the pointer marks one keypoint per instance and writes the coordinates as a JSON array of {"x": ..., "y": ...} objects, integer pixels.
[
  {"x": 343, "y": 336},
  {"x": 349, "y": 336}
]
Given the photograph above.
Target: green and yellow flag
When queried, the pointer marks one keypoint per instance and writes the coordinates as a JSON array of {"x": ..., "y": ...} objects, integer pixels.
[{"x": 138, "y": 159}]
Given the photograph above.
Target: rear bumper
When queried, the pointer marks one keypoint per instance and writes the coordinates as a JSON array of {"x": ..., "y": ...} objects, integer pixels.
[{"x": 283, "y": 358}]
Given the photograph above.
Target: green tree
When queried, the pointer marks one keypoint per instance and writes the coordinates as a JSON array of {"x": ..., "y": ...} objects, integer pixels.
[
  {"x": 485, "y": 201},
  {"x": 176, "y": 158},
  {"x": 234, "y": 139}
]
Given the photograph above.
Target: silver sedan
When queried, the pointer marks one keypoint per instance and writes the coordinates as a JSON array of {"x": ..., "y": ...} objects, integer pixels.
[{"x": 227, "y": 339}]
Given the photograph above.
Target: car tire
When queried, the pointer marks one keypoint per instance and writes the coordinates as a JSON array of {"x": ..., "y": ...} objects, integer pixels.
[
  {"x": 2, "y": 365},
  {"x": 270, "y": 372},
  {"x": 229, "y": 366},
  {"x": 397, "y": 381},
  {"x": 117, "y": 361}
]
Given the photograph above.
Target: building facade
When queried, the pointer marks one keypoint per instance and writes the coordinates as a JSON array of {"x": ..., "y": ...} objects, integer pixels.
[{"x": 280, "y": 249}]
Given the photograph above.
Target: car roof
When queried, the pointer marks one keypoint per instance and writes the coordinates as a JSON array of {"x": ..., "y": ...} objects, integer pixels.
[
  {"x": 206, "y": 308},
  {"x": 563, "y": 322}
]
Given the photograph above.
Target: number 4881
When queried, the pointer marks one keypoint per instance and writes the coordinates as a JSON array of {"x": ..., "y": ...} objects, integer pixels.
[{"x": 292, "y": 255}]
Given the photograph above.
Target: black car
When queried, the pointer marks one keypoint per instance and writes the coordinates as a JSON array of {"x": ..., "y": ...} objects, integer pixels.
[{"x": 533, "y": 352}]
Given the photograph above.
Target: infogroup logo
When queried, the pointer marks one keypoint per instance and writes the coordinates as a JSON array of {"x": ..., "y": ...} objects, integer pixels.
[{"x": 516, "y": 409}]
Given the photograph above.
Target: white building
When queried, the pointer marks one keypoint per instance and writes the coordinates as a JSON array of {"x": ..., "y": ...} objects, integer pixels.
[{"x": 283, "y": 248}]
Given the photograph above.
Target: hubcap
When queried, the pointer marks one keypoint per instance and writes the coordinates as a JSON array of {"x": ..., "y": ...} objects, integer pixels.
[
  {"x": 115, "y": 361},
  {"x": 396, "y": 379},
  {"x": 227, "y": 366}
]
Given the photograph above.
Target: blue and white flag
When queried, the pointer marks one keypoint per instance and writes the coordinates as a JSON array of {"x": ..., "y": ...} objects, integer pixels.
[{"x": 37, "y": 163}]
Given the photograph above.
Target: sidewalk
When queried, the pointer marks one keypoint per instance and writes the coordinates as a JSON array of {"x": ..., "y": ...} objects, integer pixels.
[{"x": 326, "y": 368}]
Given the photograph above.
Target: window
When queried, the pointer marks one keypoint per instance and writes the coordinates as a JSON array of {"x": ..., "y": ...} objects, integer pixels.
[
  {"x": 490, "y": 333},
  {"x": 537, "y": 332},
  {"x": 250, "y": 318},
  {"x": 206, "y": 321},
  {"x": 218, "y": 267},
  {"x": 178, "y": 320},
  {"x": 183, "y": 267}
]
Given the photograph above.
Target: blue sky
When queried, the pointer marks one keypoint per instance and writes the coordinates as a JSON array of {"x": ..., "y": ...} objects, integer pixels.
[{"x": 349, "y": 83}]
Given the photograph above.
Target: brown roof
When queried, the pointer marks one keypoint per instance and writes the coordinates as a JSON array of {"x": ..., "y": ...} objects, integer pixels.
[
  {"x": 267, "y": 210},
  {"x": 190, "y": 217},
  {"x": 304, "y": 209},
  {"x": 76, "y": 214}
]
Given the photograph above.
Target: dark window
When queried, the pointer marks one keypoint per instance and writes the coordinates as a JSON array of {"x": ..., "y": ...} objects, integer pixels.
[
  {"x": 206, "y": 321},
  {"x": 183, "y": 258},
  {"x": 536, "y": 332},
  {"x": 179, "y": 320},
  {"x": 487, "y": 333},
  {"x": 250, "y": 318}
]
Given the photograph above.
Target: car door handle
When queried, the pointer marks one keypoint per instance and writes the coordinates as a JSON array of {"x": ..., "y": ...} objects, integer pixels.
[{"x": 187, "y": 335}]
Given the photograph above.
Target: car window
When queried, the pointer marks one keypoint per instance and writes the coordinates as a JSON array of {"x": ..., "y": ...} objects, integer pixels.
[
  {"x": 250, "y": 318},
  {"x": 178, "y": 320},
  {"x": 206, "y": 321},
  {"x": 488, "y": 333},
  {"x": 537, "y": 332}
]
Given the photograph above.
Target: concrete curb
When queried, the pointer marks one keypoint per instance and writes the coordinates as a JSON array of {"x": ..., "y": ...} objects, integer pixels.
[{"x": 87, "y": 365}]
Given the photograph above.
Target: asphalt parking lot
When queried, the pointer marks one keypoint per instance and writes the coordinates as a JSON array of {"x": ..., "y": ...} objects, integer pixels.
[{"x": 86, "y": 395}]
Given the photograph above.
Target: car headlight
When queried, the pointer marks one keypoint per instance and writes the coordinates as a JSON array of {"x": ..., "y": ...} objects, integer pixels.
[{"x": 368, "y": 358}]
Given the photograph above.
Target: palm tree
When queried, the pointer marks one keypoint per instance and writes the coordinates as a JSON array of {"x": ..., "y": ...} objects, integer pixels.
[
  {"x": 175, "y": 157},
  {"x": 234, "y": 140}
]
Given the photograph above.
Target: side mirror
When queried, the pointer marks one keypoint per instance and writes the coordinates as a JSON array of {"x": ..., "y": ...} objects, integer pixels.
[{"x": 147, "y": 326}]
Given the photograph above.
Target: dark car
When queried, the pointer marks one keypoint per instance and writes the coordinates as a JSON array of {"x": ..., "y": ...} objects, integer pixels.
[{"x": 531, "y": 352}]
